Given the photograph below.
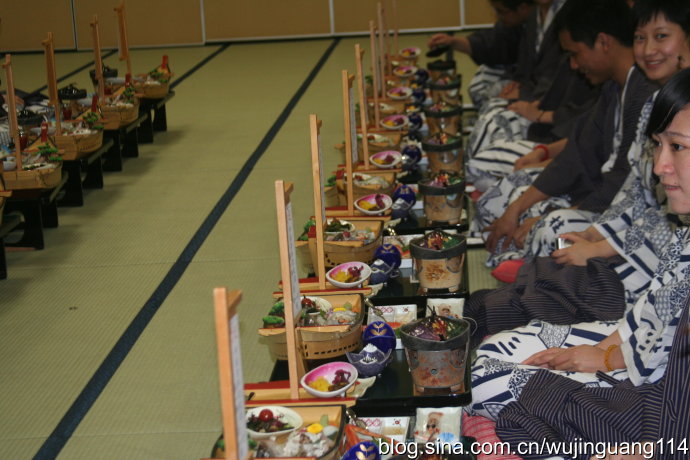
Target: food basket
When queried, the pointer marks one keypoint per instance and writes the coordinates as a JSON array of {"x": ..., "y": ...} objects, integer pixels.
[
  {"x": 320, "y": 342},
  {"x": 79, "y": 145},
  {"x": 339, "y": 252},
  {"x": 360, "y": 191},
  {"x": 33, "y": 179}
]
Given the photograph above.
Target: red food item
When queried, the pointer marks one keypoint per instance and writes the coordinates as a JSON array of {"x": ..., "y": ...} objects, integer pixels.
[
  {"x": 380, "y": 202},
  {"x": 266, "y": 415}
]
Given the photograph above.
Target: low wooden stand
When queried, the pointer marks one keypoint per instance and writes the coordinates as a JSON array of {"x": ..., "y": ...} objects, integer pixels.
[
  {"x": 84, "y": 172},
  {"x": 157, "y": 120},
  {"x": 125, "y": 144}
]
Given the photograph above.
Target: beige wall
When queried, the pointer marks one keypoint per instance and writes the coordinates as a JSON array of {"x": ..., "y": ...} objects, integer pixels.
[
  {"x": 165, "y": 22},
  {"x": 21, "y": 28},
  {"x": 149, "y": 22},
  {"x": 232, "y": 19}
]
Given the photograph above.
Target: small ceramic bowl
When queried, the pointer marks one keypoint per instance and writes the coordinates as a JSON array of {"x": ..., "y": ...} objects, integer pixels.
[
  {"x": 399, "y": 93},
  {"x": 365, "y": 273},
  {"x": 371, "y": 199},
  {"x": 328, "y": 371},
  {"x": 365, "y": 450},
  {"x": 395, "y": 122},
  {"x": 284, "y": 414},
  {"x": 370, "y": 361},
  {"x": 387, "y": 159}
]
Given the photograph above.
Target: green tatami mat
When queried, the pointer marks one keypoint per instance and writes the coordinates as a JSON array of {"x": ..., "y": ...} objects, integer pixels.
[{"x": 108, "y": 257}]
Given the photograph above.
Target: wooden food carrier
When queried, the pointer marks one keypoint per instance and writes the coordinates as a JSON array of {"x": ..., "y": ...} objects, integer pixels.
[
  {"x": 20, "y": 178},
  {"x": 72, "y": 146}
]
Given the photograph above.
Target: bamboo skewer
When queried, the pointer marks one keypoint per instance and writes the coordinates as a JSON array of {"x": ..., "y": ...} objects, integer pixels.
[
  {"x": 122, "y": 28},
  {"x": 49, "y": 46},
  {"x": 12, "y": 111}
]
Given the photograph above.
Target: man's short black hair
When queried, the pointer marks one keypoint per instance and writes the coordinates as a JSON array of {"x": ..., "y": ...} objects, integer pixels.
[
  {"x": 675, "y": 11},
  {"x": 513, "y": 4},
  {"x": 586, "y": 19}
]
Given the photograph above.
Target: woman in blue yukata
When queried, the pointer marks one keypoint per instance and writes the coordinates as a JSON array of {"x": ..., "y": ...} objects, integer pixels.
[{"x": 600, "y": 354}]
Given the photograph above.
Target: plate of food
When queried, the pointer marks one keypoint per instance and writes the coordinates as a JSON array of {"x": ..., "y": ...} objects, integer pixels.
[
  {"x": 348, "y": 275},
  {"x": 399, "y": 93},
  {"x": 335, "y": 225},
  {"x": 374, "y": 204},
  {"x": 386, "y": 159},
  {"x": 395, "y": 122},
  {"x": 267, "y": 421}
]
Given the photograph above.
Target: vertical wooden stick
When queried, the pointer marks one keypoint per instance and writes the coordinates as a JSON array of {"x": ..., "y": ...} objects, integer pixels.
[
  {"x": 122, "y": 28},
  {"x": 349, "y": 186},
  {"x": 229, "y": 366},
  {"x": 364, "y": 106},
  {"x": 51, "y": 77},
  {"x": 98, "y": 60},
  {"x": 396, "y": 28},
  {"x": 291, "y": 294},
  {"x": 12, "y": 112},
  {"x": 376, "y": 76},
  {"x": 384, "y": 52},
  {"x": 319, "y": 206}
]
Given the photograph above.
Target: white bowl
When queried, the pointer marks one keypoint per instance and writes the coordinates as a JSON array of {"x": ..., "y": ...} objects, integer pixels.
[
  {"x": 388, "y": 201},
  {"x": 397, "y": 158},
  {"x": 327, "y": 371},
  {"x": 395, "y": 122},
  {"x": 405, "y": 71},
  {"x": 285, "y": 414},
  {"x": 363, "y": 276},
  {"x": 399, "y": 93}
]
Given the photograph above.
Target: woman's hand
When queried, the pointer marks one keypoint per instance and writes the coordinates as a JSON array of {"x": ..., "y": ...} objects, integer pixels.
[
  {"x": 529, "y": 110},
  {"x": 522, "y": 231},
  {"x": 581, "y": 358},
  {"x": 542, "y": 358},
  {"x": 578, "y": 253}
]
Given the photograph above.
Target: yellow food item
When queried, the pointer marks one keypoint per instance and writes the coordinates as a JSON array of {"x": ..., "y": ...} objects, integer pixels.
[
  {"x": 315, "y": 428},
  {"x": 320, "y": 384},
  {"x": 342, "y": 276},
  {"x": 339, "y": 309},
  {"x": 366, "y": 205}
]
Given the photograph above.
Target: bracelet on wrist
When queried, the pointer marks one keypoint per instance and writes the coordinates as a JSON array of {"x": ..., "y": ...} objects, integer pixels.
[
  {"x": 607, "y": 358},
  {"x": 544, "y": 149}
]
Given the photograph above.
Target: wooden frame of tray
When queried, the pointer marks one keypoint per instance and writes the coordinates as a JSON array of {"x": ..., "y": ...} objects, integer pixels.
[{"x": 152, "y": 91}]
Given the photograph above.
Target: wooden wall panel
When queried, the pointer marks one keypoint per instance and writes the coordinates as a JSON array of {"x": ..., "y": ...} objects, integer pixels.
[
  {"x": 149, "y": 23},
  {"x": 479, "y": 12},
  {"x": 22, "y": 29},
  {"x": 354, "y": 15},
  {"x": 229, "y": 19}
]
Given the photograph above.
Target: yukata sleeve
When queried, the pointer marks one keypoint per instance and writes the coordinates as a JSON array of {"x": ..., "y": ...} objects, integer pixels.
[{"x": 496, "y": 46}]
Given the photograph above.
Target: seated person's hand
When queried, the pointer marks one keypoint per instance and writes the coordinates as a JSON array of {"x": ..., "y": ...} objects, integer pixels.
[
  {"x": 504, "y": 226},
  {"x": 440, "y": 40},
  {"x": 581, "y": 358},
  {"x": 510, "y": 91},
  {"x": 531, "y": 160},
  {"x": 542, "y": 358},
  {"x": 529, "y": 110},
  {"x": 578, "y": 253},
  {"x": 522, "y": 231}
]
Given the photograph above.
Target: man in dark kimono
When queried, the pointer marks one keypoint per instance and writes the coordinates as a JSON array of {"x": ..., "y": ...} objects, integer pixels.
[{"x": 586, "y": 175}]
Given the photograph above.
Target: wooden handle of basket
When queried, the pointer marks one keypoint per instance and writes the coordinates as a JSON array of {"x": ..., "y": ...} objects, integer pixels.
[
  {"x": 98, "y": 59},
  {"x": 51, "y": 77},
  {"x": 12, "y": 111},
  {"x": 122, "y": 28}
]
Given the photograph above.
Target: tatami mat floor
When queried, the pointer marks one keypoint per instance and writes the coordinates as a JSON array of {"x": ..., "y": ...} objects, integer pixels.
[{"x": 63, "y": 309}]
